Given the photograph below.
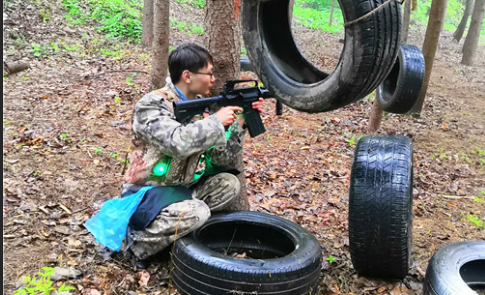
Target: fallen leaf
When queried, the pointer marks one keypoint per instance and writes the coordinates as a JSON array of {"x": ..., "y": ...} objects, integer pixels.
[
  {"x": 72, "y": 262},
  {"x": 381, "y": 289},
  {"x": 144, "y": 278}
]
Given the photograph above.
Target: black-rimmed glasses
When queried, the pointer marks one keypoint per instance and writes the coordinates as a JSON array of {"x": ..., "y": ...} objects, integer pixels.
[{"x": 207, "y": 74}]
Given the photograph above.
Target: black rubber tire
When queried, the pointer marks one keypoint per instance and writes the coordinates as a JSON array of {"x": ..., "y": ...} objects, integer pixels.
[
  {"x": 455, "y": 269},
  {"x": 370, "y": 50},
  {"x": 286, "y": 257},
  {"x": 245, "y": 64},
  {"x": 401, "y": 88},
  {"x": 380, "y": 206}
]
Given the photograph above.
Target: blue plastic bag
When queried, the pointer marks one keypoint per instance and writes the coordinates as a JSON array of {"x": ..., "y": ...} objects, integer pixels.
[{"x": 109, "y": 225}]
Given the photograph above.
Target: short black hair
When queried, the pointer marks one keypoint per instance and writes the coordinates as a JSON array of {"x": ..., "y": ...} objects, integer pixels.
[{"x": 188, "y": 56}]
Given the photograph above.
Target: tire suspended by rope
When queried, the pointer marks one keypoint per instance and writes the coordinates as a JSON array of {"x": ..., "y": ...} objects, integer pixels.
[
  {"x": 401, "y": 88},
  {"x": 380, "y": 206},
  {"x": 370, "y": 49}
]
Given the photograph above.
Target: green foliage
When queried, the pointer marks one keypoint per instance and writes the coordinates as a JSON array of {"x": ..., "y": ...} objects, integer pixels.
[
  {"x": 475, "y": 220},
  {"x": 117, "y": 18},
  {"x": 55, "y": 47},
  {"x": 98, "y": 151},
  {"x": 353, "y": 140},
  {"x": 189, "y": 28},
  {"x": 39, "y": 50},
  {"x": 45, "y": 15},
  {"x": 318, "y": 17},
  {"x": 42, "y": 285},
  {"x": 330, "y": 258},
  {"x": 196, "y": 3},
  {"x": 454, "y": 13}
]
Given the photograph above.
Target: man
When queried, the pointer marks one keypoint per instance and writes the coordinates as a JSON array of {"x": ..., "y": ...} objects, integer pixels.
[{"x": 171, "y": 157}]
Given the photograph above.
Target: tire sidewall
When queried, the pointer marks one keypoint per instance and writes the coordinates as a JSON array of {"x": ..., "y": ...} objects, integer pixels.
[{"x": 307, "y": 246}]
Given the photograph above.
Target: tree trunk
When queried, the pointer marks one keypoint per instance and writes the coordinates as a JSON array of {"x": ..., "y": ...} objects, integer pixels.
[
  {"x": 471, "y": 40},
  {"x": 223, "y": 40},
  {"x": 405, "y": 21},
  {"x": 463, "y": 22},
  {"x": 375, "y": 118},
  {"x": 331, "y": 13},
  {"x": 415, "y": 5},
  {"x": 161, "y": 27},
  {"x": 436, "y": 22},
  {"x": 147, "y": 24}
]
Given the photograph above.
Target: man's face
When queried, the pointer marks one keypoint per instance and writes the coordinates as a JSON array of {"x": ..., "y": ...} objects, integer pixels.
[{"x": 202, "y": 80}]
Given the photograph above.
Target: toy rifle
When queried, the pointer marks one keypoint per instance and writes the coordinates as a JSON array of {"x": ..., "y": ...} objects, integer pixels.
[{"x": 242, "y": 97}]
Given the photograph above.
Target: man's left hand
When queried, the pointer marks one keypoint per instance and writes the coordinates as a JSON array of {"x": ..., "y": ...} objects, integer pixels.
[{"x": 258, "y": 105}]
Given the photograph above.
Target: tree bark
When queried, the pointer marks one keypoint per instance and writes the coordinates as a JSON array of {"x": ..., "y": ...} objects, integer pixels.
[
  {"x": 471, "y": 40},
  {"x": 436, "y": 22},
  {"x": 464, "y": 21},
  {"x": 223, "y": 40},
  {"x": 375, "y": 118},
  {"x": 161, "y": 27},
  {"x": 331, "y": 13},
  {"x": 147, "y": 24},
  {"x": 405, "y": 21}
]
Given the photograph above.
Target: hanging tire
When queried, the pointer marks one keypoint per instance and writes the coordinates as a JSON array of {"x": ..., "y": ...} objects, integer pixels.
[
  {"x": 245, "y": 64},
  {"x": 456, "y": 269},
  {"x": 285, "y": 258},
  {"x": 401, "y": 88},
  {"x": 380, "y": 206},
  {"x": 370, "y": 49}
]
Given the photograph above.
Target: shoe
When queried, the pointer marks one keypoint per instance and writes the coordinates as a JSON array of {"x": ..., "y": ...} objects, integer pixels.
[{"x": 142, "y": 264}]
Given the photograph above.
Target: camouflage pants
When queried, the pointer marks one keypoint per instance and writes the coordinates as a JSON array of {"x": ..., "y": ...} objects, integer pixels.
[{"x": 183, "y": 217}]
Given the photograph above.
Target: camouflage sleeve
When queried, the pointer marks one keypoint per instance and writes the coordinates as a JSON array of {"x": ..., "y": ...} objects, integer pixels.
[
  {"x": 225, "y": 155},
  {"x": 154, "y": 121}
]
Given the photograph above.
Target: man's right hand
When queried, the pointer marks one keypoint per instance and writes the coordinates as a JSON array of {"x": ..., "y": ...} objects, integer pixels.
[{"x": 228, "y": 115}]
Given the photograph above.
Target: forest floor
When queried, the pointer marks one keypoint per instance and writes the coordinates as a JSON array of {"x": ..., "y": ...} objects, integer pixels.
[{"x": 66, "y": 131}]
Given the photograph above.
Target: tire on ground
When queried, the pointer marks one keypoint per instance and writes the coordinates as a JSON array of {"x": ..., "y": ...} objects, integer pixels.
[
  {"x": 456, "y": 269},
  {"x": 285, "y": 258},
  {"x": 370, "y": 50},
  {"x": 380, "y": 206},
  {"x": 401, "y": 88}
]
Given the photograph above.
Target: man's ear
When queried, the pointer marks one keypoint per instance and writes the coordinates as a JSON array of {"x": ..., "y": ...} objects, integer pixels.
[{"x": 186, "y": 76}]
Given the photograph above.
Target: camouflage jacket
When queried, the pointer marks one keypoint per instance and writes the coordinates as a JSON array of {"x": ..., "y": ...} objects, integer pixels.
[{"x": 157, "y": 135}]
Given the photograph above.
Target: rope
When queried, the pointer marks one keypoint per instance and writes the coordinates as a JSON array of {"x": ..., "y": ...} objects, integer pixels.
[{"x": 348, "y": 24}]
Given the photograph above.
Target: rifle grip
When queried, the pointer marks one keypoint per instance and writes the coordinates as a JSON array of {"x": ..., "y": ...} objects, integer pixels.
[{"x": 254, "y": 122}]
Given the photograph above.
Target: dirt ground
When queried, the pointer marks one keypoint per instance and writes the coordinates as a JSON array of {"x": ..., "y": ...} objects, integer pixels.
[{"x": 66, "y": 131}]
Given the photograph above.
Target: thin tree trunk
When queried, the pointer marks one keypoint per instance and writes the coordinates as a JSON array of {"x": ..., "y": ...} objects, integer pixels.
[
  {"x": 435, "y": 26},
  {"x": 147, "y": 24},
  {"x": 223, "y": 40},
  {"x": 331, "y": 13},
  {"x": 375, "y": 118},
  {"x": 464, "y": 21},
  {"x": 471, "y": 40},
  {"x": 405, "y": 21},
  {"x": 161, "y": 13}
]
